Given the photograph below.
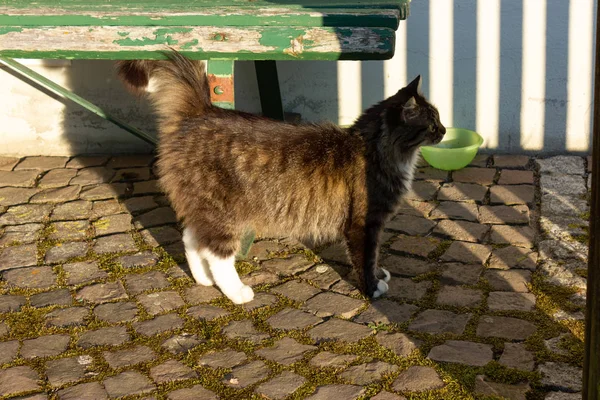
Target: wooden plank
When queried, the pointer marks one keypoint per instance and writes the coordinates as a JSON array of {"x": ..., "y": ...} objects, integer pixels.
[
  {"x": 168, "y": 4},
  {"x": 591, "y": 367},
  {"x": 252, "y": 43},
  {"x": 200, "y": 16}
]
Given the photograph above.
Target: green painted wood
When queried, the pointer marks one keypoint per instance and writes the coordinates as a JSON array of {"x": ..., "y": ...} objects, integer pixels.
[
  {"x": 384, "y": 18},
  {"x": 28, "y": 74},
  {"x": 248, "y": 43}
]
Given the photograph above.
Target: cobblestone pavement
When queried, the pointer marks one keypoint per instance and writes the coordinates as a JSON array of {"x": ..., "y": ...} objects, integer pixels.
[{"x": 486, "y": 298}]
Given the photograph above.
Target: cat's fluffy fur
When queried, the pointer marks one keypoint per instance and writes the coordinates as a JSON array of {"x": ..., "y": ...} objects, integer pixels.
[{"x": 226, "y": 171}]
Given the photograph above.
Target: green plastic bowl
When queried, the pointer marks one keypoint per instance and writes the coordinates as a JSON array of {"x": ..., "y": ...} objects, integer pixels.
[{"x": 456, "y": 151}]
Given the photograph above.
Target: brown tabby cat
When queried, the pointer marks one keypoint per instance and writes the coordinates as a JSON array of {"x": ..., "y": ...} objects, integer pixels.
[{"x": 226, "y": 171}]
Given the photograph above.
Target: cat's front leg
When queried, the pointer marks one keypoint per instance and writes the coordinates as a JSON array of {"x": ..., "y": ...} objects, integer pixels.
[
  {"x": 363, "y": 246},
  {"x": 196, "y": 261}
]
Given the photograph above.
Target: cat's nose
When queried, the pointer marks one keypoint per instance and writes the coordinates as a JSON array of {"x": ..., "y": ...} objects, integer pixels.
[{"x": 442, "y": 130}]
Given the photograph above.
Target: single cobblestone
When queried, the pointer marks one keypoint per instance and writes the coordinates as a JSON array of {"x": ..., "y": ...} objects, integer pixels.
[
  {"x": 69, "y": 230},
  {"x": 147, "y": 187},
  {"x": 114, "y": 243},
  {"x": 383, "y": 395},
  {"x": 422, "y": 191},
  {"x": 516, "y": 356},
  {"x": 106, "y": 207},
  {"x": 21, "y": 234},
  {"x": 438, "y": 321},
  {"x": 459, "y": 296},
  {"x": 418, "y": 379},
  {"x": 323, "y": 276},
  {"x": 193, "y": 393},
  {"x": 509, "y": 301},
  {"x": 513, "y": 257},
  {"x": 246, "y": 375},
  {"x": 244, "y": 330},
  {"x": 505, "y": 327},
  {"x": 25, "y": 214},
  {"x": 415, "y": 245},
  {"x": 30, "y": 277},
  {"x": 132, "y": 174},
  {"x": 65, "y": 370},
  {"x": 65, "y": 251},
  {"x": 461, "y": 230},
  {"x": 462, "y": 352},
  {"x": 400, "y": 343},
  {"x": 486, "y": 387},
  {"x": 8, "y": 351},
  {"x": 460, "y": 274},
  {"x": 42, "y": 163},
  {"x": 259, "y": 278},
  {"x": 332, "y": 360},
  {"x": 92, "y": 390},
  {"x": 281, "y": 386},
  {"x": 363, "y": 374},
  {"x": 512, "y": 194},
  {"x": 18, "y": 256},
  {"x": 111, "y": 224},
  {"x": 288, "y": 266},
  {"x": 171, "y": 371},
  {"x": 431, "y": 174},
  {"x": 482, "y": 176},
  {"x": 18, "y": 380},
  {"x": 102, "y": 293},
  {"x": 407, "y": 289},
  {"x": 468, "y": 253},
  {"x": 386, "y": 312},
  {"x": 285, "y": 351},
  {"x": 181, "y": 344},
  {"x": 561, "y": 376},
  {"x": 74, "y": 210},
  {"x": 83, "y": 272},
  {"x": 156, "y": 217},
  {"x": 127, "y": 383},
  {"x": 201, "y": 294},
  {"x": 129, "y": 357},
  {"x": 160, "y": 324},
  {"x": 45, "y": 346},
  {"x": 562, "y": 250},
  {"x": 8, "y": 163},
  {"x": 415, "y": 208},
  {"x": 290, "y": 318},
  {"x": 58, "y": 195},
  {"x": 11, "y": 303},
  {"x": 411, "y": 225},
  {"x": 504, "y": 214},
  {"x": 469, "y": 192},
  {"x": 349, "y": 392},
  {"x": 522, "y": 236},
  {"x": 510, "y": 161},
  {"x": 560, "y": 185},
  {"x": 223, "y": 359},
  {"x": 18, "y": 178},
  {"x": 138, "y": 283},
  {"x": 332, "y": 304},
  {"x": 566, "y": 206},
  {"x": 160, "y": 302},
  {"x": 66, "y": 317},
  {"x": 10, "y": 196},
  {"x": 116, "y": 312},
  {"x": 60, "y": 297},
  {"x": 515, "y": 280},
  {"x": 406, "y": 266},
  {"x": 337, "y": 329},
  {"x": 455, "y": 211},
  {"x": 508, "y": 177},
  {"x": 207, "y": 312},
  {"x": 113, "y": 336},
  {"x": 562, "y": 396},
  {"x": 260, "y": 300}
]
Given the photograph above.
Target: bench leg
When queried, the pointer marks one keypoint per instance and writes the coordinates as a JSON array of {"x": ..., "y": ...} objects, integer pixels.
[
  {"x": 27, "y": 74},
  {"x": 268, "y": 88},
  {"x": 220, "y": 77}
]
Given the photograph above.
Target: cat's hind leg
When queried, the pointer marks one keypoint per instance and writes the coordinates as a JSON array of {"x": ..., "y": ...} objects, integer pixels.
[
  {"x": 226, "y": 277},
  {"x": 198, "y": 264}
]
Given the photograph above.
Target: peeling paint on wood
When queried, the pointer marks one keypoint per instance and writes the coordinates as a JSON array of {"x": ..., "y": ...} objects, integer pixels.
[{"x": 252, "y": 43}]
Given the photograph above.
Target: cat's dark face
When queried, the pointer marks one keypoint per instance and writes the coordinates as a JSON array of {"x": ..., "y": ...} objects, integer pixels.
[{"x": 411, "y": 120}]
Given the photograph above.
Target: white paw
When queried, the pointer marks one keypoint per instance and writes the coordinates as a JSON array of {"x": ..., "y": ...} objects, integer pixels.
[
  {"x": 244, "y": 295},
  {"x": 387, "y": 274},
  {"x": 382, "y": 288},
  {"x": 204, "y": 281}
]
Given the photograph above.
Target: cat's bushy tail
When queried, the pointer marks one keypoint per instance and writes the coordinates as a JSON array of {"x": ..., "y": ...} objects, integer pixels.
[{"x": 180, "y": 87}]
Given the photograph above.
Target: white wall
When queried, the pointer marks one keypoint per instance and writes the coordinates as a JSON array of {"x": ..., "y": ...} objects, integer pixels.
[{"x": 517, "y": 71}]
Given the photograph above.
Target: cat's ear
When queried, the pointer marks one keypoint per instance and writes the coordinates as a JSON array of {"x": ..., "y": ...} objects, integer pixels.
[
  {"x": 415, "y": 85},
  {"x": 410, "y": 109}
]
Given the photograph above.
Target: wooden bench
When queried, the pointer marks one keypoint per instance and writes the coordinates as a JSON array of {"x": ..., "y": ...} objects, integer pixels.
[{"x": 220, "y": 31}]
